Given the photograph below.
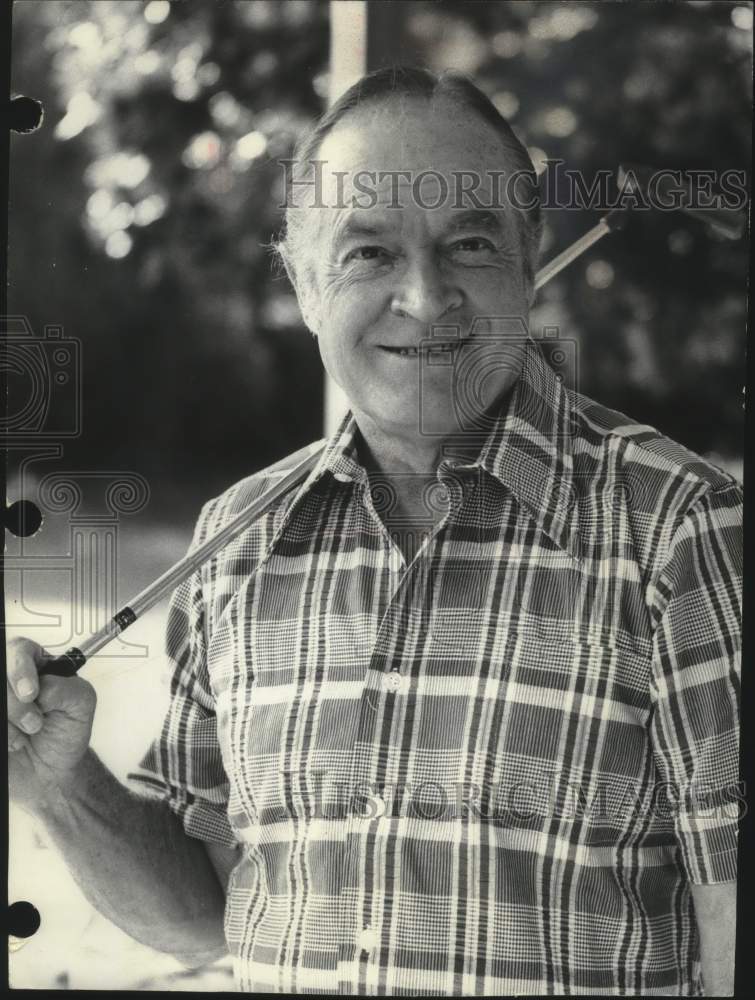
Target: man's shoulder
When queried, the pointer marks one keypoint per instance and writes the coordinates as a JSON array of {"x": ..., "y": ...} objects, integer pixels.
[
  {"x": 606, "y": 437},
  {"x": 240, "y": 494}
]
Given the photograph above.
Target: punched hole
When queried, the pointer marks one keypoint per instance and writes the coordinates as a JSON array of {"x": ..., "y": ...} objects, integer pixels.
[
  {"x": 26, "y": 114},
  {"x": 23, "y": 919},
  {"x": 23, "y": 518}
]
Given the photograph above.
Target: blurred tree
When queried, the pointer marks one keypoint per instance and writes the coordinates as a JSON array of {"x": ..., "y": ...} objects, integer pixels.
[
  {"x": 658, "y": 312},
  {"x": 140, "y": 214},
  {"x": 141, "y": 210}
]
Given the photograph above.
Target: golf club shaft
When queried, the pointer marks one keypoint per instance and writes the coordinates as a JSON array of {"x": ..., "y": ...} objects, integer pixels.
[
  {"x": 571, "y": 253},
  {"x": 67, "y": 664},
  {"x": 615, "y": 219}
]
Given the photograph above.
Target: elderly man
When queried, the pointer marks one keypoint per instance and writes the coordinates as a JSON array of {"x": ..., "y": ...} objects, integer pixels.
[{"x": 458, "y": 716}]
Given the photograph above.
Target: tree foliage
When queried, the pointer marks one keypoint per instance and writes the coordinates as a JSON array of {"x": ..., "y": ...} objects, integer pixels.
[
  {"x": 142, "y": 209},
  {"x": 140, "y": 217}
]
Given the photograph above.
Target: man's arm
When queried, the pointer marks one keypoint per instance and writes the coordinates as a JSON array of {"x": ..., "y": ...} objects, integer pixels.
[
  {"x": 694, "y": 729},
  {"x": 130, "y": 856},
  {"x": 136, "y": 865},
  {"x": 716, "y": 913}
]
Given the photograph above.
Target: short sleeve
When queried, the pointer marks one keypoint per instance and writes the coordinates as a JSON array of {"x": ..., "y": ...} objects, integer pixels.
[
  {"x": 184, "y": 766},
  {"x": 695, "y": 683}
]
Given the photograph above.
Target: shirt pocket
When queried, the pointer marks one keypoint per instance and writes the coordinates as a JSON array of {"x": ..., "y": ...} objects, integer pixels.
[{"x": 570, "y": 734}]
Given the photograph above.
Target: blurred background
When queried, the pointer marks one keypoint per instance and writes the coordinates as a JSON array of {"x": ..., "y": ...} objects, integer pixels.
[{"x": 140, "y": 214}]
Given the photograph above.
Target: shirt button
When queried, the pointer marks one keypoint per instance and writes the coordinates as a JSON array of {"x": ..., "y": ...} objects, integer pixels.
[
  {"x": 368, "y": 939},
  {"x": 392, "y": 681},
  {"x": 342, "y": 477}
]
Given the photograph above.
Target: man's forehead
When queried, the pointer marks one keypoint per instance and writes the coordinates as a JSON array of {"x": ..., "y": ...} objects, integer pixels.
[
  {"x": 413, "y": 147},
  {"x": 412, "y": 134},
  {"x": 357, "y": 222}
]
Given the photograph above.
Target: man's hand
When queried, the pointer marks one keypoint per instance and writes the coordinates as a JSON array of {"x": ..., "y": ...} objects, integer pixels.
[
  {"x": 49, "y": 724},
  {"x": 716, "y": 913}
]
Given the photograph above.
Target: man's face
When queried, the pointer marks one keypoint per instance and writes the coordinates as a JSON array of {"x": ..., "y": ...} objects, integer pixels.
[{"x": 382, "y": 278}]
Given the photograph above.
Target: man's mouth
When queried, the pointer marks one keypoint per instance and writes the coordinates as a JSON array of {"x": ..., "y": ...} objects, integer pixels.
[{"x": 412, "y": 352}]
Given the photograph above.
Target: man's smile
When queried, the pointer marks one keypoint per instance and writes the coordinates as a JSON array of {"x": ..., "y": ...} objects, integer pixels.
[{"x": 414, "y": 350}]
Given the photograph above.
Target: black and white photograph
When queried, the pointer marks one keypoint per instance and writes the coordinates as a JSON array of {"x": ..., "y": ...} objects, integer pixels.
[{"x": 374, "y": 437}]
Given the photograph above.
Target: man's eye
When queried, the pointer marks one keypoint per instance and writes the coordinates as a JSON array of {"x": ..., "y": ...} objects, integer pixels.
[
  {"x": 367, "y": 253},
  {"x": 473, "y": 244}
]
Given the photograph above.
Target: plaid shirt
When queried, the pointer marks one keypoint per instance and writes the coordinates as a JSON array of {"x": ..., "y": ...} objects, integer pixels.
[{"x": 496, "y": 770}]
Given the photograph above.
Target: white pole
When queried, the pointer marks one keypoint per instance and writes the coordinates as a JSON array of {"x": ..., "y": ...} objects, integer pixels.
[
  {"x": 348, "y": 62},
  {"x": 348, "y": 45}
]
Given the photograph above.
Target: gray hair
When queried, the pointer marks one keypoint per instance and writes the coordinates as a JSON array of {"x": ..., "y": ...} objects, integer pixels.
[{"x": 407, "y": 81}]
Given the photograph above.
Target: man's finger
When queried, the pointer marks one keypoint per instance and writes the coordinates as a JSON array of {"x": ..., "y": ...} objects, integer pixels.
[
  {"x": 72, "y": 695},
  {"x": 16, "y": 739},
  {"x": 24, "y": 655},
  {"x": 23, "y": 715}
]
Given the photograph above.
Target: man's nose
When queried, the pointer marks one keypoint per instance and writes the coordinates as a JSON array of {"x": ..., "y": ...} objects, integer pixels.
[{"x": 425, "y": 293}]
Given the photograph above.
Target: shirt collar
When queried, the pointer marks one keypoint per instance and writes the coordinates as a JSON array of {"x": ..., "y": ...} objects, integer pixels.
[
  {"x": 340, "y": 454},
  {"x": 528, "y": 450}
]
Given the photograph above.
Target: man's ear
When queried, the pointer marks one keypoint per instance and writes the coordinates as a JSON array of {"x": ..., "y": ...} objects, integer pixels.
[
  {"x": 303, "y": 285},
  {"x": 308, "y": 307},
  {"x": 306, "y": 293}
]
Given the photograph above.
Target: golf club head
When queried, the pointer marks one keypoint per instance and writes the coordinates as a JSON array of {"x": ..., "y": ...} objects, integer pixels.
[{"x": 730, "y": 222}]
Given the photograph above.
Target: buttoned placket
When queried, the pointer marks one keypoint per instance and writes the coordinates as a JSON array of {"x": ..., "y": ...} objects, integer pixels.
[{"x": 360, "y": 931}]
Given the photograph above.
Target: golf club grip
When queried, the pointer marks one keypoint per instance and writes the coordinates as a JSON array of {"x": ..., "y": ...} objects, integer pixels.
[{"x": 67, "y": 664}]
